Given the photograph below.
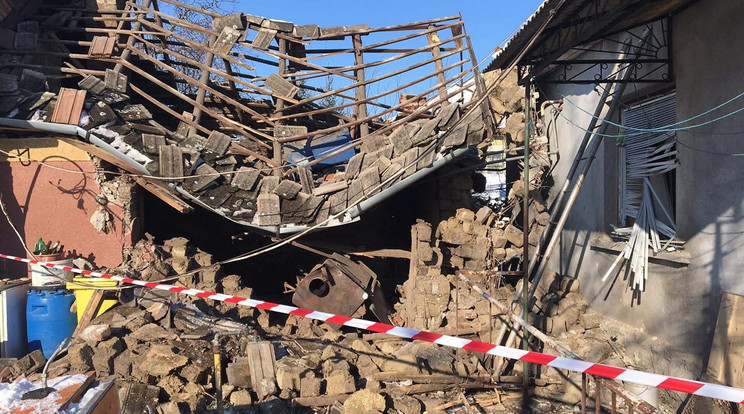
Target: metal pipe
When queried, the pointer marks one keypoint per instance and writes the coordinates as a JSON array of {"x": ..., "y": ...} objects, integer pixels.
[
  {"x": 526, "y": 237},
  {"x": 217, "y": 351}
]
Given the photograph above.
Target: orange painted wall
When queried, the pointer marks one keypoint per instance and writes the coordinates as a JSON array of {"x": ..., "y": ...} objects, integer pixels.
[{"x": 53, "y": 204}]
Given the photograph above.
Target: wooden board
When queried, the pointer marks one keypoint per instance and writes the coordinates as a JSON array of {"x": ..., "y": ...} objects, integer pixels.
[
  {"x": 261, "y": 361},
  {"x": 69, "y": 106},
  {"x": 90, "y": 311},
  {"x": 726, "y": 361},
  {"x": 101, "y": 46}
]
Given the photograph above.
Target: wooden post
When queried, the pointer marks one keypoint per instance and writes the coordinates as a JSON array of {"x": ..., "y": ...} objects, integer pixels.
[
  {"x": 130, "y": 40},
  {"x": 433, "y": 38},
  {"x": 279, "y": 111},
  {"x": 360, "y": 110},
  {"x": 203, "y": 80}
]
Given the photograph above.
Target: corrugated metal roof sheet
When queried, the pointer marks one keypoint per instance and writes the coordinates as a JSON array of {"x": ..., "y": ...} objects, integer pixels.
[{"x": 629, "y": 14}]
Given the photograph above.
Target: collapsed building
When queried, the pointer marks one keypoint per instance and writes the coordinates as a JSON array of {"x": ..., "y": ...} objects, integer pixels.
[{"x": 257, "y": 158}]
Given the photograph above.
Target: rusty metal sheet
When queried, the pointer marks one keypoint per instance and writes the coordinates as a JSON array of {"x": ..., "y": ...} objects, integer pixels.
[
  {"x": 69, "y": 106},
  {"x": 329, "y": 289},
  {"x": 102, "y": 46}
]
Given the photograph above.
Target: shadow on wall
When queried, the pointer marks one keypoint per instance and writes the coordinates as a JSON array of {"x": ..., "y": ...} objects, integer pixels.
[{"x": 9, "y": 242}]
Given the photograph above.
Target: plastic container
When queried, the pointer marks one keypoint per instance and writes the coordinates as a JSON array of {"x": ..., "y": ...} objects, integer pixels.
[
  {"x": 318, "y": 147},
  {"x": 82, "y": 287},
  {"x": 13, "y": 318},
  {"x": 48, "y": 319},
  {"x": 42, "y": 276}
]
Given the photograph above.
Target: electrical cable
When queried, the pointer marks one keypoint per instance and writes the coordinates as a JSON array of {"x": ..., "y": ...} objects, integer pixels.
[{"x": 666, "y": 128}]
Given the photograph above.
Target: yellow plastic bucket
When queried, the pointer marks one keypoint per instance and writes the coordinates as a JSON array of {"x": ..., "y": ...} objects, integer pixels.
[{"x": 83, "y": 288}]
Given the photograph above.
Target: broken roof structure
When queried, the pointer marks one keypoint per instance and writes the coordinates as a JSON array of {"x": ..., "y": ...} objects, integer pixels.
[{"x": 258, "y": 120}]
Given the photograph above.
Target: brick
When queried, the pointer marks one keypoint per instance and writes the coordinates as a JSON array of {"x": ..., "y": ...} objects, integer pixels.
[
  {"x": 338, "y": 201},
  {"x": 263, "y": 39},
  {"x": 226, "y": 40},
  {"x": 100, "y": 114},
  {"x": 26, "y": 41},
  {"x": 309, "y": 30},
  {"x": 135, "y": 113},
  {"x": 278, "y": 25},
  {"x": 288, "y": 131},
  {"x": 427, "y": 129},
  {"x": 281, "y": 86},
  {"x": 370, "y": 179}
]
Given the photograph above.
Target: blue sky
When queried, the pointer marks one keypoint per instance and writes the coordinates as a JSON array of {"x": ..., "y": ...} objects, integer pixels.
[{"x": 487, "y": 22}]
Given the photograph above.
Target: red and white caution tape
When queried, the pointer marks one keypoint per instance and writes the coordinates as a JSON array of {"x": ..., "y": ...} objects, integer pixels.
[{"x": 703, "y": 389}]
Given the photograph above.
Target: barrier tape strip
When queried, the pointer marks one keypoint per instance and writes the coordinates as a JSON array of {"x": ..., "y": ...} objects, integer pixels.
[{"x": 703, "y": 389}]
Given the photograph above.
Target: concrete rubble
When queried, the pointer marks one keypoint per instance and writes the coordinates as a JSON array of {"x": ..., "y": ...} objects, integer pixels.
[
  {"x": 161, "y": 346},
  {"x": 318, "y": 365}
]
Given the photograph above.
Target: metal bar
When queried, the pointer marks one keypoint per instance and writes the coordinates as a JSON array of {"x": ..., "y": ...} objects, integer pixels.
[
  {"x": 583, "y": 393},
  {"x": 389, "y": 127},
  {"x": 598, "y": 396},
  {"x": 526, "y": 235},
  {"x": 193, "y": 102},
  {"x": 566, "y": 210}
]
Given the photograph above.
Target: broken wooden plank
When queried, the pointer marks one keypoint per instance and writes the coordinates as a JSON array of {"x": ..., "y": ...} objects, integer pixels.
[
  {"x": 90, "y": 312},
  {"x": 69, "y": 106}
]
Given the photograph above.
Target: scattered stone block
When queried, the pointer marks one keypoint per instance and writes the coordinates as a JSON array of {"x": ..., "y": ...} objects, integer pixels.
[
  {"x": 365, "y": 402},
  {"x": 514, "y": 236}
]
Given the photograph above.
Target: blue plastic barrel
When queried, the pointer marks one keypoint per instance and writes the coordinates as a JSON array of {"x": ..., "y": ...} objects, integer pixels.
[{"x": 48, "y": 319}]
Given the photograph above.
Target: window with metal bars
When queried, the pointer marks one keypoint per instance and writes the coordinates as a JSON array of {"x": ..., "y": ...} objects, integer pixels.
[{"x": 648, "y": 159}]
